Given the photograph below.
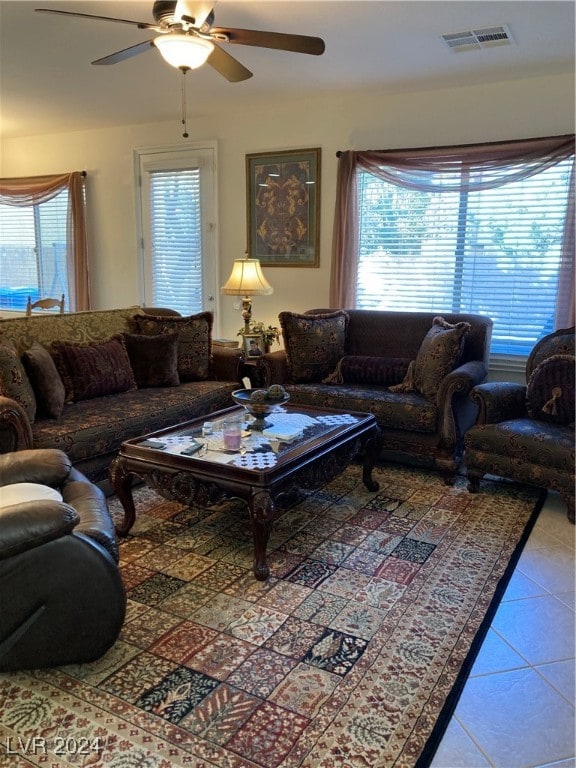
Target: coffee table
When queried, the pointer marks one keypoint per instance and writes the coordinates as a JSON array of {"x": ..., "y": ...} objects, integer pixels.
[{"x": 303, "y": 448}]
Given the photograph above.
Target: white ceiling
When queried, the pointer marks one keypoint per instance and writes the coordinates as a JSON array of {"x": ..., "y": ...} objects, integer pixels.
[{"x": 47, "y": 84}]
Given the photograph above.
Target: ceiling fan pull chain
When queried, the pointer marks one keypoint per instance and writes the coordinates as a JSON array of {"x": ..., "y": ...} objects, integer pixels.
[{"x": 184, "y": 70}]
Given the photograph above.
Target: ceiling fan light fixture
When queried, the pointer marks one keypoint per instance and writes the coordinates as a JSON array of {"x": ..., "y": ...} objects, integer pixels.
[{"x": 183, "y": 51}]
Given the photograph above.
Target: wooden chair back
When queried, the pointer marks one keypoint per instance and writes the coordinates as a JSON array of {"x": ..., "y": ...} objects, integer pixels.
[{"x": 45, "y": 304}]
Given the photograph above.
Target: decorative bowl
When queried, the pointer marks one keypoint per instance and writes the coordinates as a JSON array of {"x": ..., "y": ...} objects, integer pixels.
[{"x": 258, "y": 408}]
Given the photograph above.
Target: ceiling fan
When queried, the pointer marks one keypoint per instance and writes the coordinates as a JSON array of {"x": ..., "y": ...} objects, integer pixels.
[{"x": 186, "y": 38}]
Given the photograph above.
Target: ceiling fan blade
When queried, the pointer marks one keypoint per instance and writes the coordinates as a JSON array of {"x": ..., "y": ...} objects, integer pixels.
[
  {"x": 279, "y": 40},
  {"x": 228, "y": 66},
  {"x": 139, "y": 24},
  {"x": 125, "y": 53}
]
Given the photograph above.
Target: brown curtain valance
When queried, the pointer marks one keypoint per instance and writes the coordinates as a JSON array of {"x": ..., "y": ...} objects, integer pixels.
[{"x": 433, "y": 169}]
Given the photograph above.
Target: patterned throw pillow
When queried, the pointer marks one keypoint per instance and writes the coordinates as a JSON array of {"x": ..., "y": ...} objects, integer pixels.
[
  {"x": 361, "y": 369},
  {"x": 550, "y": 393},
  {"x": 194, "y": 340},
  {"x": 314, "y": 343},
  {"x": 14, "y": 382},
  {"x": 45, "y": 380},
  {"x": 439, "y": 354},
  {"x": 154, "y": 359},
  {"x": 96, "y": 369}
]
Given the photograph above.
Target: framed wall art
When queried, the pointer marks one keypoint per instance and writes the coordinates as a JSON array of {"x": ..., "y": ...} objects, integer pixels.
[{"x": 283, "y": 207}]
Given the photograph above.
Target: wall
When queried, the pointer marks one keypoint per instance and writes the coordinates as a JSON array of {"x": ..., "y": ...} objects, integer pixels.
[{"x": 490, "y": 112}]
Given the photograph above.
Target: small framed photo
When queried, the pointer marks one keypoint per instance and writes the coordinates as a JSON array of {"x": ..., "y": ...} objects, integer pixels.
[
  {"x": 253, "y": 344},
  {"x": 283, "y": 207}
]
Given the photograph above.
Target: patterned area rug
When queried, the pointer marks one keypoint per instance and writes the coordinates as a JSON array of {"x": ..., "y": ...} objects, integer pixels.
[{"x": 350, "y": 655}]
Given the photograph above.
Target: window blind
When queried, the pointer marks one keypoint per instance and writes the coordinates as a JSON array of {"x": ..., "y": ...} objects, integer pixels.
[
  {"x": 494, "y": 251},
  {"x": 33, "y": 252},
  {"x": 176, "y": 239}
]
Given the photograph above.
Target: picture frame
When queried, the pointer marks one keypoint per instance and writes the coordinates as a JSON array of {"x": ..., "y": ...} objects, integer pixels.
[
  {"x": 253, "y": 345},
  {"x": 283, "y": 207}
]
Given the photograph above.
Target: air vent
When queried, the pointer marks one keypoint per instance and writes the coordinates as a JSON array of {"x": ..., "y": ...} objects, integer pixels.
[{"x": 474, "y": 39}]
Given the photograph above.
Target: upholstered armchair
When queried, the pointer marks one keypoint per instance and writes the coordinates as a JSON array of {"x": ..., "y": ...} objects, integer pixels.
[
  {"x": 62, "y": 599},
  {"x": 526, "y": 433}
]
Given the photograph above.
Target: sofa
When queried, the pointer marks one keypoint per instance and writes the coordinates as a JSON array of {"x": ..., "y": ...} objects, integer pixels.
[
  {"x": 84, "y": 382},
  {"x": 62, "y": 596},
  {"x": 525, "y": 432},
  {"x": 413, "y": 370}
]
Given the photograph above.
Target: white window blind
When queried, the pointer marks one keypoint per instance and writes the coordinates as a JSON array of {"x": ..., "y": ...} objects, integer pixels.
[
  {"x": 176, "y": 203},
  {"x": 495, "y": 252},
  {"x": 176, "y": 239},
  {"x": 33, "y": 252}
]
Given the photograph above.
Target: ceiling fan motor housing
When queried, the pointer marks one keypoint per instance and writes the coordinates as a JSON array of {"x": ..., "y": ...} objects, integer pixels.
[{"x": 163, "y": 11}]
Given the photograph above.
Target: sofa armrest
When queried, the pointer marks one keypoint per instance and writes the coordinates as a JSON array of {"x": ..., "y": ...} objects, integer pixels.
[
  {"x": 499, "y": 401},
  {"x": 33, "y": 523},
  {"x": 14, "y": 421},
  {"x": 461, "y": 380},
  {"x": 456, "y": 412},
  {"x": 47, "y": 466},
  {"x": 273, "y": 367},
  {"x": 226, "y": 363}
]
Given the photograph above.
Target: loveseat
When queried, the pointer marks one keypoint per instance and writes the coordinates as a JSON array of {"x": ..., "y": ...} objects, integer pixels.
[
  {"x": 413, "y": 370},
  {"x": 84, "y": 382},
  {"x": 62, "y": 596}
]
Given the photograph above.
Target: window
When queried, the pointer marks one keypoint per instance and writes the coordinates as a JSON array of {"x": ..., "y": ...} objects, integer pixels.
[
  {"x": 178, "y": 253},
  {"x": 43, "y": 249},
  {"x": 33, "y": 252},
  {"x": 466, "y": 230},
  {"x": 495, "y": 252}
]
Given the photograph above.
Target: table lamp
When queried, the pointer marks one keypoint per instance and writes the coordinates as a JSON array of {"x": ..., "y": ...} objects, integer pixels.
[{"x": 246, "y": 280}]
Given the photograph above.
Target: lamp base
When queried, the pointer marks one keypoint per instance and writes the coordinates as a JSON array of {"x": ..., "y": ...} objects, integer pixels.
[{"x": 247, "y": 313}]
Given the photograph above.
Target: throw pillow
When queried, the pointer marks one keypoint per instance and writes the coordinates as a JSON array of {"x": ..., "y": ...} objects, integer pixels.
[
  {"x": 550, "y": 393},
  {"x": 14, "y": 382},
  {"x": 361, "y": 369},
  {"x": 154, "y": 359},
  {"x": 194, "y": 340},
  {"x": 314, "y": 343},
  {"x": 439, "y": 353},
  {"x": 45, "y": 380},
  {"x": 97, "y": 369}
]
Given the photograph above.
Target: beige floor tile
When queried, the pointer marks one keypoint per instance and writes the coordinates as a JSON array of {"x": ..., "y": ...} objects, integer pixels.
[
  {"x": 553, "y": 522},
  {"x": 561, "y": 675},
  {"x": 521, "y": 587},
  {"x": 496, "y": 655},
  {"x": 552, "y": 568},
  {"x": 550, "y": 534},
  {"x": 457, "y": 750},
  {"x": 540, "y": 629},
  {"x": 568, "y": 598},
  {"x": 517, "y": 719},
  {"x": 504, "y": 717}
]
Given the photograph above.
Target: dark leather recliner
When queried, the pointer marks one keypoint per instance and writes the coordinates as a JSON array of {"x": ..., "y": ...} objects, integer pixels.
[{"x": 62, "y": 599}]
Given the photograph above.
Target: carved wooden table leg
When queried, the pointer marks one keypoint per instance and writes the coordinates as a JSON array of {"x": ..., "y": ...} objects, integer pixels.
[
  {"x": 121, "y": 482},
  {"x": 261, "y": 515},
  {"x": 372, "y": 449}
]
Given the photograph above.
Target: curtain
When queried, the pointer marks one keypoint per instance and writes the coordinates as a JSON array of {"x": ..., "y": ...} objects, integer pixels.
[
  {"x": 33, "y": 190},
  {"x": 486, "y": 166}
]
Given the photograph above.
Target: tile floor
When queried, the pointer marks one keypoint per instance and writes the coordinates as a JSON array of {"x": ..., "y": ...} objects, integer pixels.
[{"x": 517, "y": 708}]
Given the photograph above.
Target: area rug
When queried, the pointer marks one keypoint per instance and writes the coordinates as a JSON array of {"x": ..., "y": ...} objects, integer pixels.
[{"x": 351, "y": 655}]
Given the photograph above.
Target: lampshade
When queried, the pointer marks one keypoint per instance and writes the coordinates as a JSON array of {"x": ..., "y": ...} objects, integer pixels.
[
  {"x": 246, "y": 279},
  {"x": 184, "y": 51}
]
